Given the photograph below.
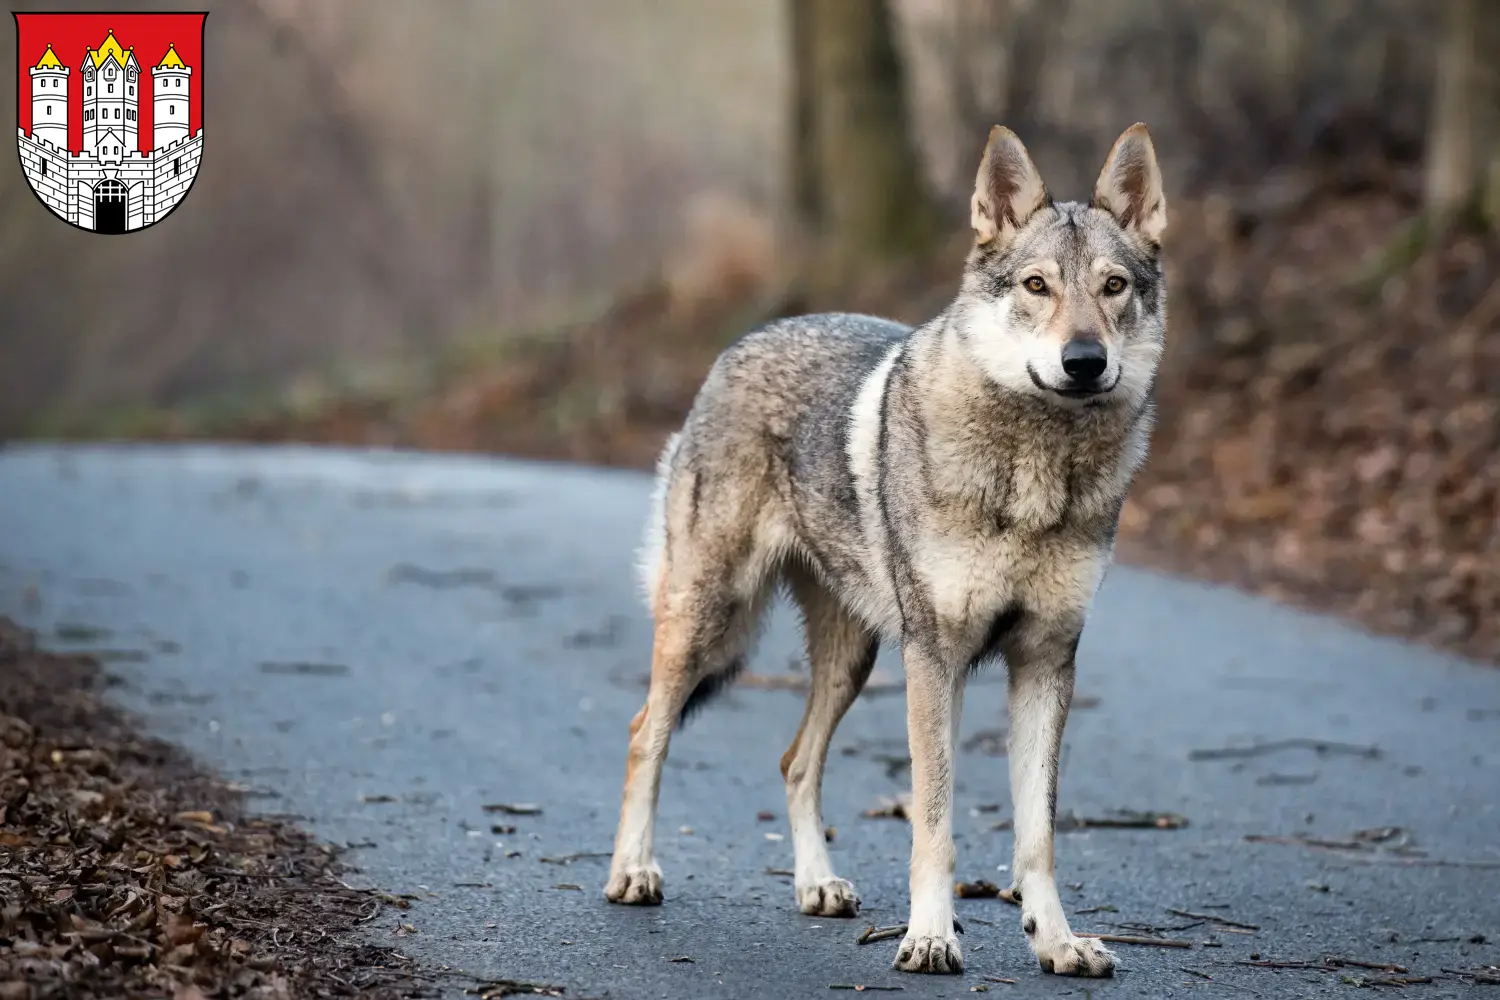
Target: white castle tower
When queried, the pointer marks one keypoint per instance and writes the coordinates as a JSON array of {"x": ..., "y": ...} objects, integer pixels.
[
  {"x": 111, "y": 185},
  {"x": 111, "y": 99},
  {"x": 49, "y": 100},
  {"x": 171, "y": 85}
]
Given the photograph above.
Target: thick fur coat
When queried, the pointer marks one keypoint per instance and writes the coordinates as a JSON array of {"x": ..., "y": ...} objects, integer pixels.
[{"x": 953, "y": 489}]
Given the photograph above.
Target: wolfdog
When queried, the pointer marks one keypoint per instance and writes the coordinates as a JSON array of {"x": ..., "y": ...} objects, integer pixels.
[{"x": 954, "y": 488}]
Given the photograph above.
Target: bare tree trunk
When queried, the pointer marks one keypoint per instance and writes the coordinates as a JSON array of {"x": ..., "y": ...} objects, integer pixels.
[
  {"x": 805, "y": 189},
  {"x": 856, "y": 180},
  {"x": 1463, "y": 156}
]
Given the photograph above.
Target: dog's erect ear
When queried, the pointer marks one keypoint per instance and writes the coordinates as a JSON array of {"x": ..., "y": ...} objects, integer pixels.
[
  {"x": 1007, "y": 191},
  {"x": 1129, "y": 186}
]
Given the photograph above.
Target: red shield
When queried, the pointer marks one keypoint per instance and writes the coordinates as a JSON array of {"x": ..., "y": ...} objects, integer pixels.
[{"x": 109, "y": 114}]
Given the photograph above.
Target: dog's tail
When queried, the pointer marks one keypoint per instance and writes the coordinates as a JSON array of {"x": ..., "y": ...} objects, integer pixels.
[{"x": 648, "y": 560}]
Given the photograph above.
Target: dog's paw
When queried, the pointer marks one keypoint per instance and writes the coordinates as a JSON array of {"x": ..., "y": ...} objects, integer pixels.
[
  {"x": 637, "y": 885},
  {"x": 1075, "y": 956},
  {"x": 929, "y": 954},
  {"x": 830, "y": 897}
]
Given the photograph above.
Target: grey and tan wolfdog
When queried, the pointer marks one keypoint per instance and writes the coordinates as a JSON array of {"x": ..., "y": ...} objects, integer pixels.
[{"x": 954, "y": 488}]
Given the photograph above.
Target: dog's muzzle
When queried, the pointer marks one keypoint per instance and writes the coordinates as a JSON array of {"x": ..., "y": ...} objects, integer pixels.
[{"x": 1084, "y": 362}]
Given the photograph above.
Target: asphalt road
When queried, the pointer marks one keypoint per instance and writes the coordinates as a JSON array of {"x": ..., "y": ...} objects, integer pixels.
[{"x": 386, "y": 643}]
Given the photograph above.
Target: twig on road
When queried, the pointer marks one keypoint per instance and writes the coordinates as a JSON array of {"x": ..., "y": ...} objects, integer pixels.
[
  {"x": 1212, "y": 918},
  {"x": 872, "y": 933},
  {"x": 861, "y": 988},
  {"x": 1262, "y": 963},
  {"x": 1207, "y": 978},
  {"x": 1333, "y": 963},
  {"x": 1361, "y": 964},
  {"x": 1360, "y": 852},
  {"x": 1321, "y": 747},
  {"x": 1155, "y": 930},
  {"x": 1125, "y": 819},
  {"x": 1149, "y": 942}
]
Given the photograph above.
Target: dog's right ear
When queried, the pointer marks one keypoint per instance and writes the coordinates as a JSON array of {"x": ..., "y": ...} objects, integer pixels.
[{"x": 1007, "y": 191}]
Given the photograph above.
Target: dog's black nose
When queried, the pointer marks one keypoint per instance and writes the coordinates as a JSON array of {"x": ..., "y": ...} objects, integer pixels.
[{"x": 1084, "y": 359}]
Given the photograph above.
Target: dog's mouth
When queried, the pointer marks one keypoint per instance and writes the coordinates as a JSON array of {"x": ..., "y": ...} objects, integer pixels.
[{"x": 1092, "y": 390}]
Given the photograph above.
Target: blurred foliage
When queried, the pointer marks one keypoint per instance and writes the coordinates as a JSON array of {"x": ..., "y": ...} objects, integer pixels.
[
  {"x": 380, "y": 174},
  {"x": 529, "y": 227},
  {"x": 1232, "y": 89}
]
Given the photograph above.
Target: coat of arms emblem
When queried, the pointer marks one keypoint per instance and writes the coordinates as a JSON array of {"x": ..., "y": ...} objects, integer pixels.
[{"x": 110, "y": 114}]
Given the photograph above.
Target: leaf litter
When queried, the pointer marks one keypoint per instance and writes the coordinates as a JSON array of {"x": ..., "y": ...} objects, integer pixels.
[{"x": 128, "y": 870}]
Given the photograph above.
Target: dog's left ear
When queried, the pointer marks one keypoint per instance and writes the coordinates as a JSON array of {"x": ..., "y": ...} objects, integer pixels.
[{"x": 1129, "y": 186}]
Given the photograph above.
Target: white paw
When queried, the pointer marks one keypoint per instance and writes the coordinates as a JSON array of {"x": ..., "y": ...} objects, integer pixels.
[
  {"x": 939, "y": 954},
  {"x": 829, "y": 897},
  {"x": 1076, "y": 956},
  {"x": 635, "y": 885}
]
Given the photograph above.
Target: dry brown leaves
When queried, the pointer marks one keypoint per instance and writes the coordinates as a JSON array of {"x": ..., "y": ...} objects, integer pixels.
[
  {"x": 125, "y": 871},
  {"x": 1331, "y": 451}
]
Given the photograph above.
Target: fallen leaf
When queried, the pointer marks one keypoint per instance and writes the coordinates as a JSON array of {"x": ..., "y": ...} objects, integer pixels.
[
  {"x": 891, "y": 808},
  {"x": 978, "y": 889}
]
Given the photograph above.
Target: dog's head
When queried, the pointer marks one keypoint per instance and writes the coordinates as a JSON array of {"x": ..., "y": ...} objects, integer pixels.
[{"x": 1063, "y": 300}]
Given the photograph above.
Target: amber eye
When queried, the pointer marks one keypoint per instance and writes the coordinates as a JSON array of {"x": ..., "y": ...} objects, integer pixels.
[
  {"x": 1115, "y": 285},
  {"x": 1035, "y": 285}
]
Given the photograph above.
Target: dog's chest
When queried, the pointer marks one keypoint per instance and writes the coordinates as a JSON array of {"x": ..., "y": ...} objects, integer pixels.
[
  {"x": 1027, "y": 524},
  {"x": 967, "y": 577},
  {"x": 1027, "y": 485}
]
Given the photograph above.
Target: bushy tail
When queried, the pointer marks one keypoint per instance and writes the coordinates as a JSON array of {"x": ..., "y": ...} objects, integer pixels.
[{"x": 648, "y": 560}]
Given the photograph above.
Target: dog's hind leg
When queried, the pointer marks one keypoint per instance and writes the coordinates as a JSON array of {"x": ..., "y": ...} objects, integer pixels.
[
  {"x": 1041, "y": 691},
  {"x": 700, "y": 643},
  {"x": 840, "y": 654}
]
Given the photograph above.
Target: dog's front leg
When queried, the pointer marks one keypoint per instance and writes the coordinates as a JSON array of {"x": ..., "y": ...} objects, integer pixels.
[
  {"x": 932, "y": 701},
  {"x": 1041, "y": 690}
]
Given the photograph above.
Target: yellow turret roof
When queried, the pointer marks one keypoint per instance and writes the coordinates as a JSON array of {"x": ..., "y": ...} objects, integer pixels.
[
  {"x": 111, "y": 49},
  {"x": 49, "y": 60},
  {"x": 171, "y": 60}
]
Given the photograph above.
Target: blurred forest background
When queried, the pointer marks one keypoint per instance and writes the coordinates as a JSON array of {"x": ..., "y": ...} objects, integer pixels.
[{"x": 528, "y": 227}]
